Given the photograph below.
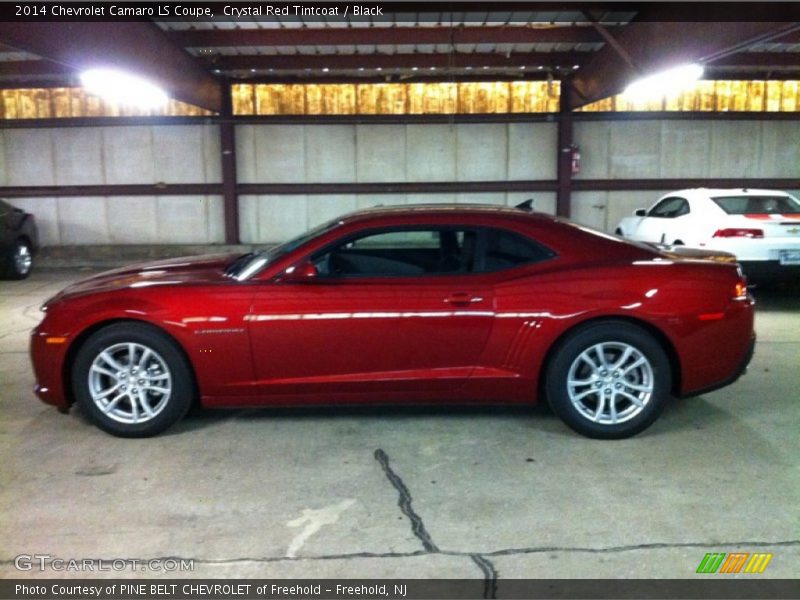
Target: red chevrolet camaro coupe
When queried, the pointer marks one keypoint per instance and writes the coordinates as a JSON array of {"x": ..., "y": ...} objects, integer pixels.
[{"x": 426, "y": 304}]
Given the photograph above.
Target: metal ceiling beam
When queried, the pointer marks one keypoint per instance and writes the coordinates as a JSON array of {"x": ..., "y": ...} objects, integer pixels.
[
  {"x": 745, "y": 65},
  {"x": 336, "y": 36},
  {"x": 759, "y": 59},
  {"x": 32, "y": 69},
  {"x": 334, "y": 62},
  {"x": 137, "y": 47},
  {"x": 656, "y": 42}
]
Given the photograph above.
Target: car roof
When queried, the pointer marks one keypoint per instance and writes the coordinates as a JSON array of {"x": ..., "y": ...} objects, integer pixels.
[
  {"x": 715, "y": 192},
  {"x": 488, "y": 210}
]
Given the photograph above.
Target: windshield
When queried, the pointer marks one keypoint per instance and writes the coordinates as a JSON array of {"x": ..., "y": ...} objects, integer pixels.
[
  {"x": 758, "y": 205},
  {"x": 247, "y": 265}
]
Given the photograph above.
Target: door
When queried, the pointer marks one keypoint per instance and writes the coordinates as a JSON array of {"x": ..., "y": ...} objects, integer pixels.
[{"x": 394, "y": 310}]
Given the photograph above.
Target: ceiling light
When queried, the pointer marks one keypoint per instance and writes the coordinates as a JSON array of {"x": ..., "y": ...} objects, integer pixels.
[
  {"x": 325, "y": 69},
  {"x": 415, "y": 68},
  {"x": 665, "y": 83},
  {"x": 123, "y": 88}
]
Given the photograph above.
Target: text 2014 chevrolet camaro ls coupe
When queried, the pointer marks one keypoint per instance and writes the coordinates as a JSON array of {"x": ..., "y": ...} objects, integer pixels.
[{"x": 427, "y": 304}]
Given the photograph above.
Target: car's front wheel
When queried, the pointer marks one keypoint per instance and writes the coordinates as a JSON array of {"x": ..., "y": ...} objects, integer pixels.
[
  {"x": 132, "y": 380},
  {"x": 608, "y": 380}
]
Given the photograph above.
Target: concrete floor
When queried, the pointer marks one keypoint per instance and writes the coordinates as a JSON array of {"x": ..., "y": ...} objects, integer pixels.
[{"x": 494, "y": 492}]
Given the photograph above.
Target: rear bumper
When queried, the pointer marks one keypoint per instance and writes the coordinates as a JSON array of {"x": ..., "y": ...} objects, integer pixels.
[
  {"x": 769, "y": 270},
  {"x": 740, "y": 370}
]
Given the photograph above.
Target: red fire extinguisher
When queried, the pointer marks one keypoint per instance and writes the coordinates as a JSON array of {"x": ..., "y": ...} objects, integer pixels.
[{"x": 575, "y": 159}]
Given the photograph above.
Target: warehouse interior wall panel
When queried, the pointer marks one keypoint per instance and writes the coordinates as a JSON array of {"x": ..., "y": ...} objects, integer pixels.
[
  {"x": 685, "y": 149},
  {"x": 688, "y": 148},
  {"x": 78, "y": 155},
  {"x": 431, "y": 152},
  {"x": 140, "y": 154},
  {"x": 29, "y": 157},
  {"x": 84, "y": 221},
  {"x": 269, "y": 218},
  {"x": 330, "y": 153},
  {"x": 186, "y": 154},
  {"x": 381, "y": 153},
  {"x": 634, "y": 150},
  {"x": 481, "y": 152},
  {"x": 323, "y": 208},
  {"x": 395, "y": 153},
  {"x": 780, "y": 149},
  {"x": 734, "y": 144},
  {"x": 532, "y": 151}
]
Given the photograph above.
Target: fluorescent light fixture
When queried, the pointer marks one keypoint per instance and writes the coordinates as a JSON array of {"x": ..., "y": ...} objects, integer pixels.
[
  {"x": 123, "y": 88},
  {"x": 666, "y": 83}
]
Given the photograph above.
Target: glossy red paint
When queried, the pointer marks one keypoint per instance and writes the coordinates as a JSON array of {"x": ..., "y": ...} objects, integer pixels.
[{"x": 465, "y": 337}]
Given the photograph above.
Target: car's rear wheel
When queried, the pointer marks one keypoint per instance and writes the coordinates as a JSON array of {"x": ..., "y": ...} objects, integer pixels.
[
  {"x": 608, "y": 380},
  {"x": 132, "y": 380},
  {"x": 19, "y": 261}
]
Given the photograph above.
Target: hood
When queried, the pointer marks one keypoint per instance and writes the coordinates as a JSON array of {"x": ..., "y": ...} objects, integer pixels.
[{"x": 186, "y": 270}]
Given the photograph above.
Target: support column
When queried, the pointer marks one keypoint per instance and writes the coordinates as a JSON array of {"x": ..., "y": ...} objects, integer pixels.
[
  {"x": 227, "y": 134},
  {"x": 565, "y": 141}
]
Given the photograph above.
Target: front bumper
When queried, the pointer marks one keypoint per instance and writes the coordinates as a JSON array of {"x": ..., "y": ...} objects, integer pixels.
[{"x": 48, "y": 361}]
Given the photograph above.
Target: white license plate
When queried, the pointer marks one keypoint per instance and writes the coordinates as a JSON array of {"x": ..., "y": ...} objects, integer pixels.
[{"x": 789, "y": 257}]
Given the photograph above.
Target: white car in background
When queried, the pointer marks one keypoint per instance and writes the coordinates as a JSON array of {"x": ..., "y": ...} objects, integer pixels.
[{"x": 760, "y": 227}]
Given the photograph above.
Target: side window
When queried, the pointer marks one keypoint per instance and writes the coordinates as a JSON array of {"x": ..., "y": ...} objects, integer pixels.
[
  {"x": 506, "y": 249},
  {"x": 669, "y": 208},
  {"x": 401, "y": 252}
]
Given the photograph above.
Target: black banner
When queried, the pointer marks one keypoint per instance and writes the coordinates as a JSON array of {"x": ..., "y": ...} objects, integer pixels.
[
  {"x": 393, "y": 12},
  {"x": 704, "y": 587}
]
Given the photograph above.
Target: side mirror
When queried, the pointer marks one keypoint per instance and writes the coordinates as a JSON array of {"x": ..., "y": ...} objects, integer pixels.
[
  {"x": 640, "y": 212},
  {"x": 302, "y": 273}
]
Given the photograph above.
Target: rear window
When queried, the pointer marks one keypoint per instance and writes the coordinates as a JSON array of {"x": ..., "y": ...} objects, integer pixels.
[{"x": 757, "y": 205}]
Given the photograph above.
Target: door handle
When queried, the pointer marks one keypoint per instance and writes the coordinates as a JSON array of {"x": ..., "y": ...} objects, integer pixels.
[{"x": 462, "y": 299}]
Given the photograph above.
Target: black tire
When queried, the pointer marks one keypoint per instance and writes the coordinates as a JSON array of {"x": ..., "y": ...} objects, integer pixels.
[
  {"x": 12, "y": 269},
  {"x": 166, "y": 368},
  {"x": 593, "y": 398}
]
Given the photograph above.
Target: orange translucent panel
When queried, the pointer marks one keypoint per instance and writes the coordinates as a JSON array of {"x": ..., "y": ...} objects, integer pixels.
[{"x": 715, "y": 96}]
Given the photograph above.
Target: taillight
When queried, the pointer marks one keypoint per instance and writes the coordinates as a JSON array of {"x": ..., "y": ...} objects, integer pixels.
[
  {"x": 735, "y": 232},
  {"x": 740, "y": 289}
]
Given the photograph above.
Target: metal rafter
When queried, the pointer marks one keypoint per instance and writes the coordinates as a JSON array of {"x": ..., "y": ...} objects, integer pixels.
[
  {"x": 137, "y": 47},
  {"x": 370, "y": 36},
  {"x": 656, "y": 41},
  {"x": 335, "y": 62}
]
